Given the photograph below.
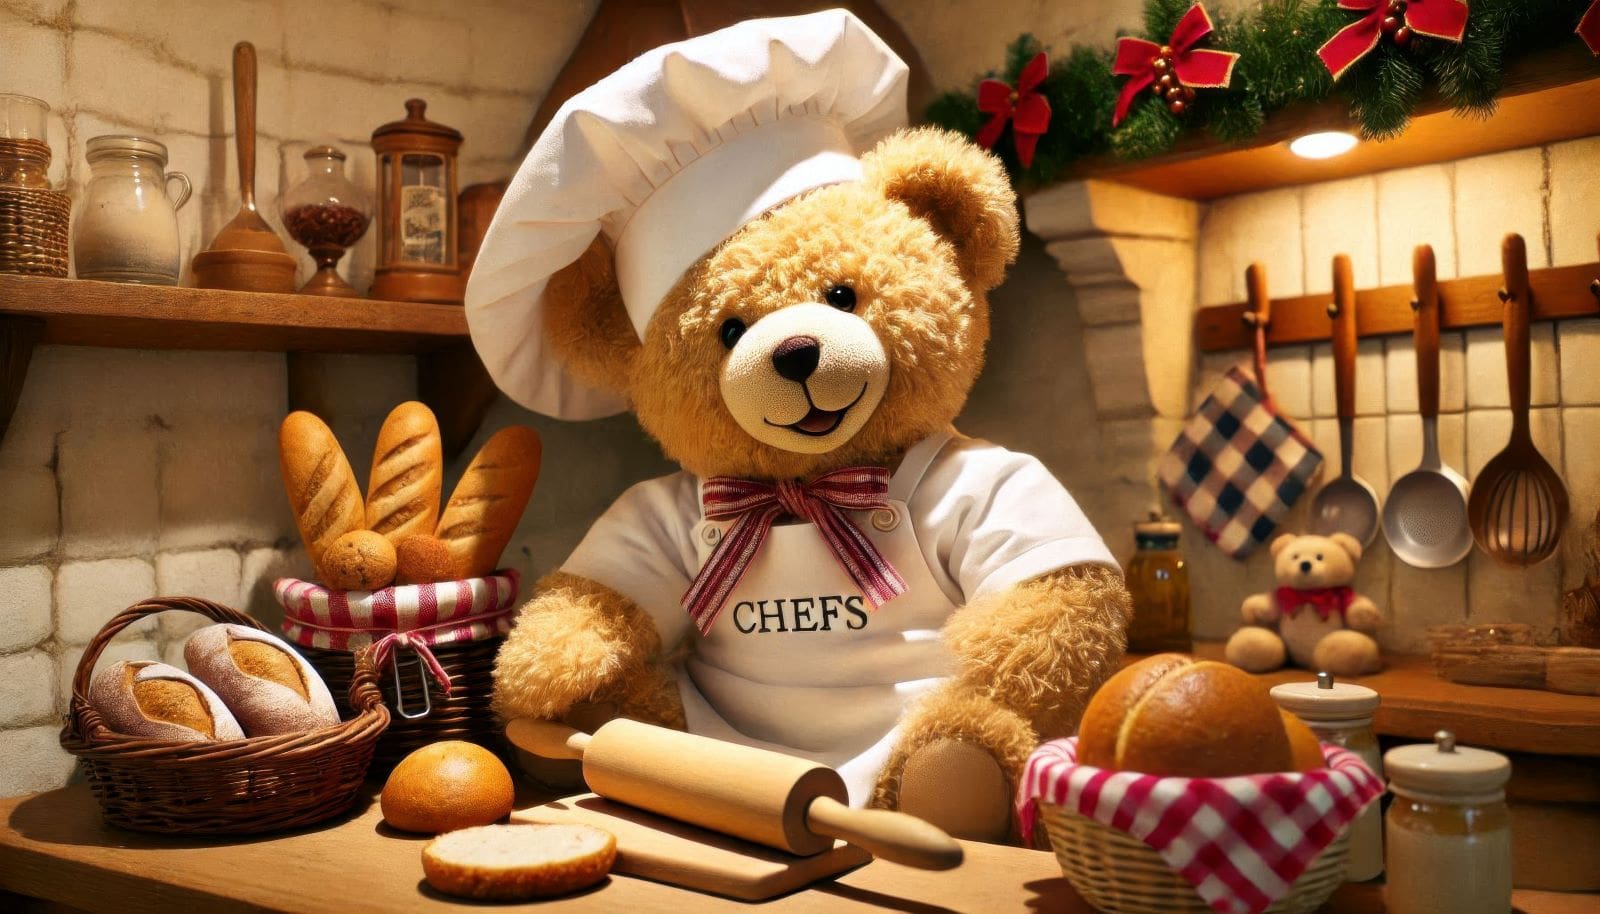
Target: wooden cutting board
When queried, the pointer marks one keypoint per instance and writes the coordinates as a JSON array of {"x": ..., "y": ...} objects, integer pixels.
[{"x": 666, "y": 850}]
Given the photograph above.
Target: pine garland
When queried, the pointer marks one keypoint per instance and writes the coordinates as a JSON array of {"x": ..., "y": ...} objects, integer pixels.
[{"x": 1278, "y": 67}]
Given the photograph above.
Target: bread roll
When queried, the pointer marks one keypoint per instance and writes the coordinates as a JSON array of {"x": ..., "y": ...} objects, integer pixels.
[
  {"x": 487, "y": 504},
  {"x": 513, "y": 862},
  {"x": 145, "y": 698},
  {"x": 1172, "y": 715},
  {"x": 407, "y": 471},
  {"x": 322, "y": 488},
  {"x": 1305, "y": 751},
  {"x": 445, "y": 786},
  {"x": 269, "y": 687},
  {"x": 359, "y": 560},
  {"x": 423, "y": 559}
]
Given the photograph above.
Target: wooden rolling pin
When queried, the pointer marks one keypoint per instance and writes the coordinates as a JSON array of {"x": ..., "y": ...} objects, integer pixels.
[{"x": 772, "y": 799}]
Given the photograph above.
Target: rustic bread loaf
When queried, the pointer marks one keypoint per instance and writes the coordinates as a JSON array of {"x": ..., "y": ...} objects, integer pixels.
[
  {"x": 322, "y": 488},
  {"x": 488, "y": 501},
  {"x": 423, "y": 559},
  {"x": 1305, "y": 751},
  {"x": 267, "y": 685},
  {"x": 512, "y": 862},
  {"x": 1172, "y": 715},
  {"x": 359, "y": 560},
  {"x": 145, "y": 698},
  {"x": 447, "y": 785},
  {"x": 407, "y": 472}
]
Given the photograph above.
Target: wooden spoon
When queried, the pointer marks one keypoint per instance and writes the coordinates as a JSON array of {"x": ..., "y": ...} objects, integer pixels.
[{"x": 1518, "y": 507}]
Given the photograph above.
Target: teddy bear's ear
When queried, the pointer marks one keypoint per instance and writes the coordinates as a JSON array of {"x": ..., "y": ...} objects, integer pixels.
[
  {"x": 961, "y": 190},
  {"x": 1349, "y": 544},
  {"x": 586, "y": 323},
  {"x": 1281, "y": 543}
]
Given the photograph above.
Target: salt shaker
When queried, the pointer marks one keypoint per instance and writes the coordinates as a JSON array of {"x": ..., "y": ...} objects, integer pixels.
[
  {"x": 1341, "y": 713},
  {"x": 1449, "y": 830}
]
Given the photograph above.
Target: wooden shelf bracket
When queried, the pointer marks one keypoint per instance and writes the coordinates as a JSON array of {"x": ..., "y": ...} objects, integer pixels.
[{"x": 18, "y": 337}]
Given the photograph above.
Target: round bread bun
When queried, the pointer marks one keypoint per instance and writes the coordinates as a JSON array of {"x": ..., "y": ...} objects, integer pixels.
[
  {"x": 423, "y": 559},
  {"x": 359, "y": 560},
  {"x": 1305, "y": 751},
  {"x": 514, "y": 862},
  {"x": 1172, "y": 715},
  {"x": 445, "y": 786}
]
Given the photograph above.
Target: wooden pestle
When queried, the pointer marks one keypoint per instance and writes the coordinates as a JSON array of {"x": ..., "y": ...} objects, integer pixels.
[{"x": 773, "y": 799}]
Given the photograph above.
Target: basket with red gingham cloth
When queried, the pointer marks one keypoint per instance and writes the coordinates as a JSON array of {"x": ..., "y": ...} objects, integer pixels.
[{"x": 1240, "y": 841}]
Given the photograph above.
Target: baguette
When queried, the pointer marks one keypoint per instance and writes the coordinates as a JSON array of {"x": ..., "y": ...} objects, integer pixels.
[
  {"x": 518, "y": 862},
  {"x": 407, "y": 471},
  {"x": 488, "y": 502},
  {"x": 145, "y": 698},
  {"x": 322, "y": 488},
  {"x": 270, "y": 688}
]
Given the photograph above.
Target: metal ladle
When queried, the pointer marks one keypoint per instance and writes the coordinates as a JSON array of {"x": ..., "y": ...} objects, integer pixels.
[
  {"x": 1347, "y": 504},
  {"x": 1425, "y": 518}
]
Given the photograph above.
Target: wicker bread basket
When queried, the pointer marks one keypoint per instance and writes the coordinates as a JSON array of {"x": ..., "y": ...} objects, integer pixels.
[
  {"x": 1119, "y": 874},
  {"x": 248, "y": 786}
]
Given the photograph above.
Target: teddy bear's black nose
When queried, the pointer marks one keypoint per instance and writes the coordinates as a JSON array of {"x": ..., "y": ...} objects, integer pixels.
[
  {"x": 796, "y": 357},
  {"x": 1305, "y": 567}
]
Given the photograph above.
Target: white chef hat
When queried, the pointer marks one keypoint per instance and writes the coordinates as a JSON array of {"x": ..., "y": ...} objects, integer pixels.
[{"x": 669, "y": 156}]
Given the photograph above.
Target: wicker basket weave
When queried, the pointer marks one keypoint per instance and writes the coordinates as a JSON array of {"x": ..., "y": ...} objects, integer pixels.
[
  {"x": 33, "y": 230},
  {"x": 464, "y": 715},
  {"x": 1119, "y": 874},
  {"x": 247, "y": 786}
]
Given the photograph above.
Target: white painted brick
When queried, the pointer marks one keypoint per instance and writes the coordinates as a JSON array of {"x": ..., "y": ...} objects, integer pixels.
[
  {"x": 27, "y": 689},
  {"x": 207, "y": 35},
  {"x": 1370, "y": 379},
  {"x": 211, "y": 574},
  {"x": 88, "y": 594},
  {"x": 523, "y": 48},
  {"x": 1486, "y": 367},
  {"x": 261, "y": 569},
  {"x": 172, "y": 655},
  {"x": 1574, "y": 199},
  {"x": 1341, "y": 217},
  {"x": 1213, "y": 366},
  {"x": 33, "y": 519},
  {"x": 1419, "y": 598},
  {"x": 32, "y": 760},
  {"x": 348, "y": 107},
  {"x": 67, "y": 664},
  {"x": 115, "y": 77},
  {"x": 1581, "y": 429},
  {"x": 1374, "y": 581},
  {"x": 220, "y": 484},
  {"x": 1580, "y": 362},
  {"x": 1289, "y": 379},
  {"x": 34, "y": 63},
  {"x": 349, "y": 37},
  {"x": 24, "y": 606},
  {"x": 1496, "y": 194},
  {"x": 1498, "y": 593},
  {"x": 1405, "y": 442},
  {"x": 1414, "y": 207},
  {"x": 109, "y": 503},
  {"x": 157, "y": 383},
  {"x": 1400, "y": 368},
  {"x": 1238, "y": 231},
  {"x": 448, "y": 56},
  {"x": 1371, "y": 452}
]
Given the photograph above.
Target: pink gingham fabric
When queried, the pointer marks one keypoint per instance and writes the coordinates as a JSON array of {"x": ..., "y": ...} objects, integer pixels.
[{"x": 1240, "y": 841}]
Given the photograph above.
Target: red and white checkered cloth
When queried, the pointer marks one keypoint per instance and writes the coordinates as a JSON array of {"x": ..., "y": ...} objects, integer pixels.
[{"x": 1240, "y": 841}]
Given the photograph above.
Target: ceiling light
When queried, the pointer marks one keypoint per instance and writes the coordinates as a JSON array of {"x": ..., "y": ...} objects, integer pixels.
[{"x": 1323, "y": 145}]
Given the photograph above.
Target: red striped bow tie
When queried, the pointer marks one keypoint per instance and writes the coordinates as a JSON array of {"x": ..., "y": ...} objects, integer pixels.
[{"x": 822, "y": 501}]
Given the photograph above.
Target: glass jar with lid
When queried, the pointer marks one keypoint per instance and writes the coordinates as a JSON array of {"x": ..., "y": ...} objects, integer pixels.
[
  {"x": 127, "y": 226},
  {"x": 418, "y": 247},
  {"x": 328, "y": 213},
  {"x": 1341, "y": 713},
  {"x": 1449, "y": 831},
  {"x": 1158, "y": 580}
]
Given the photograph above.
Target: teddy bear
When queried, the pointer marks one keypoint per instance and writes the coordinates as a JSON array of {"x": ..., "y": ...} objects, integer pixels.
[
  {"x": 1314, "y": 617},
  {"x": 835, "y": 573}
]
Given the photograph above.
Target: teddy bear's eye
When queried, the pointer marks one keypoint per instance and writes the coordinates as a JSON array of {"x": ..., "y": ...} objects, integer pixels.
[
  {"x": 731, "y": 330},
  {"x": 1319, "y": 556},
  {"x": 841, "y": 297}
]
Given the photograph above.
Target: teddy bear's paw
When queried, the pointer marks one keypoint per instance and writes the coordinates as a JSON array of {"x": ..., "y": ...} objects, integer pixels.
[
  {"x": 959, "y": 787},
  {"x": 1347, "y": 653},
  {"x": 1255, "y": 650}
]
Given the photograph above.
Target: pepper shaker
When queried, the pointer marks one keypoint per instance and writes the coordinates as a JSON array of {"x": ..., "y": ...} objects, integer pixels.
[{"x": 1449, "y": 829}]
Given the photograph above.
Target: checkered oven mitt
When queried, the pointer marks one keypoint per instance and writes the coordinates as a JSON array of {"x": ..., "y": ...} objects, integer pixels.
[
  {"x": 1238, "y": 466},
  {"x": 1240, "y": 841}
]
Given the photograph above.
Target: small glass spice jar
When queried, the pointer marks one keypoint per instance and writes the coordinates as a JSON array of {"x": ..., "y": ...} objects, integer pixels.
[
  {"x": 327, "y": 213},
  {"x": 1158, "y": 580},
  {"x": 1449, "y": 831},
  {"x": 1341, "y": 713}
]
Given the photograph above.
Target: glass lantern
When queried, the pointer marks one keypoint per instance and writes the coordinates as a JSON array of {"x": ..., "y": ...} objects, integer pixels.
[{"x": 417, "y": 242}]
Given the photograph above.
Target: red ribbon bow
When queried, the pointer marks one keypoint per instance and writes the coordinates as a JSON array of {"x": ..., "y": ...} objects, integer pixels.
[
  {"x": 822, "y": 501},
  {"x": 1194, "y": 67},
  {"x": 1325, "y": 600},
  {"x": 1445, "y": 19},
  {"x": 1589, "y": 27},
  {"x": 1026, "y": 109}
]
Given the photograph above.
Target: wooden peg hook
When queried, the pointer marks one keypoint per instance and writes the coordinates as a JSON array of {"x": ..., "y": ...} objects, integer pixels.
[
  {"x": 1594, "y": 285},
  {"x": 1259, "y": 314}
]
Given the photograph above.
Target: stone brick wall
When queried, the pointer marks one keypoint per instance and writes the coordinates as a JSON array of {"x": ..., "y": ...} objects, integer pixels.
[{"x": 1550, "y": 195}]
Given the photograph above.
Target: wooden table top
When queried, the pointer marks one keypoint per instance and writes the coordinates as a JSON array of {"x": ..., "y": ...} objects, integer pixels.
[{"x": 54, "y": 846}]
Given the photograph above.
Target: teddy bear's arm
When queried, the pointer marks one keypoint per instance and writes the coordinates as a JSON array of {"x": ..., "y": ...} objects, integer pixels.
[
  {"x": 1260, "y": 609},
  {"x": 1040, "y": 648},
  {"x": 573, "y": 641},
  {"x": 1363, "y": 616}
]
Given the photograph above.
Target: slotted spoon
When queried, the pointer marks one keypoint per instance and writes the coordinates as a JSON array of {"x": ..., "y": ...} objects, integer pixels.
[
  {"x": 1425, "y": 518},
  {"x": 1347, "y": 504},
  {"x": 1518, "y": 506}
]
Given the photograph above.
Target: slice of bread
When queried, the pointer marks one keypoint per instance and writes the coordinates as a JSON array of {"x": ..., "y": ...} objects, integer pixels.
[{"x": 512, "y": 862}]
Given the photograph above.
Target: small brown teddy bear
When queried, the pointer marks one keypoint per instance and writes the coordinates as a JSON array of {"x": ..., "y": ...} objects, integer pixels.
[
  {"x": 1314, "y": 616},
  {"x": 794, "y": 307}
]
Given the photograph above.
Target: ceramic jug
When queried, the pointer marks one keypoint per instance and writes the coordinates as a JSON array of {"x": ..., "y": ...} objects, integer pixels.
[{"x": 127, "y": 227}]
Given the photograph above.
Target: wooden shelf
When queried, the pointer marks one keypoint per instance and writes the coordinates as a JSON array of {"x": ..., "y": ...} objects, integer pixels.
[
  {"x": 1548, "y": 97},
  {"x": 1416, "y": 703},
  {"x": 75, "y": 312},
  {"x": 1558, "y": 293}
]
